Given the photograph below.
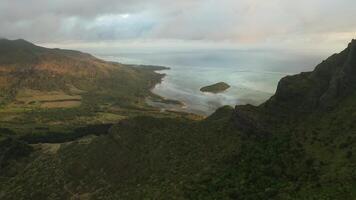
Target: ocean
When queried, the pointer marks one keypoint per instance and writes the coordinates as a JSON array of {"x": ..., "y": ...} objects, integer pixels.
[{"x": 252, "y": 74}]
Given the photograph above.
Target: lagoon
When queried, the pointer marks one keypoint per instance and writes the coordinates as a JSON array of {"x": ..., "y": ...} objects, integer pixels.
[{"x": 252, "y": 74}]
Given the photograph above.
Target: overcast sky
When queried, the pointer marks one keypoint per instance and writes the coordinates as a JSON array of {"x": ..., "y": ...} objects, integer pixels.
[{"x": 235, "y": 22}]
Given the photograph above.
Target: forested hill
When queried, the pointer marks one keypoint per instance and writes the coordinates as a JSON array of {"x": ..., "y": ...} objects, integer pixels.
[
  {"x": 332, "y": 80},
  {"x": 300, "y": 144}
]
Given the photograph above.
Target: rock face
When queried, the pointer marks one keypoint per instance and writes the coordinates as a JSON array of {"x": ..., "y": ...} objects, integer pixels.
[
  {"x": 321, "y": 89},
  {"x": 216, "y": 88}
]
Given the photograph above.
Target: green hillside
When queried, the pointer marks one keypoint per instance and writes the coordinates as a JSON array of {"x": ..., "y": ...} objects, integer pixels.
[
  {"x": 297, "y": 145},
  {"x": 53, "y": 91}
]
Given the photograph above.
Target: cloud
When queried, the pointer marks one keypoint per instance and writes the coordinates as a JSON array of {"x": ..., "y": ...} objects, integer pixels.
[{"x": 238, "y": 21}]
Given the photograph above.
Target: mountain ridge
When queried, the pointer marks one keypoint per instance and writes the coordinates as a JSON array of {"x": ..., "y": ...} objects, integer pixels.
[
  {"x": 29, "y": 55},
  {"x": 25, "y": 65},
  {"x": 322, "y": 87},
  {"x": 298, "y": 145},
  {"x": 298, "y": 96}
]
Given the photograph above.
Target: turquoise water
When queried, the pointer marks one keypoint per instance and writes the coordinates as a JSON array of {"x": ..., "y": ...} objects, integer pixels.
[{"x": 253, "y": 74}]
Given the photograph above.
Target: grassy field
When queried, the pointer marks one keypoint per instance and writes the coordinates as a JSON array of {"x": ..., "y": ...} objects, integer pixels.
[{"x": 35, "y": 99}]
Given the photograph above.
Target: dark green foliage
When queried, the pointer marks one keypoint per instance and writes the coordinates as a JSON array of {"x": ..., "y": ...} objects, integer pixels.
[
  {"x": 60, "y": 137},
  {"x": 170, "y": 158},
  {"x": 12, "y": 149},
  {"x": 216, "y": 88},
  {"x": 298, "y": 145},
  {"x": 221, "y": 113}
]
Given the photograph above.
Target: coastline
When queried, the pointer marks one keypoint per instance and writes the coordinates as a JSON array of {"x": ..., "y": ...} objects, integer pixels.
[{"x": 156, "y": 100}]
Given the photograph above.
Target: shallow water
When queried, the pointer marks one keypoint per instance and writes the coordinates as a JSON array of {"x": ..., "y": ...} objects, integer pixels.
[{"x": 252, "y": 74}]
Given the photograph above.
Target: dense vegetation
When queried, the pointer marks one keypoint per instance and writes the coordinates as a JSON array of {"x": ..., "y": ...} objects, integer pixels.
[
  {"x": 216, "y": 88},
  {"x": 297, "y": 145}
]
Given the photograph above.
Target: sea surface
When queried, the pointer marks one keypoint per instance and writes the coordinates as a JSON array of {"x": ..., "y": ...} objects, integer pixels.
[{"x": 252, "y": 74}]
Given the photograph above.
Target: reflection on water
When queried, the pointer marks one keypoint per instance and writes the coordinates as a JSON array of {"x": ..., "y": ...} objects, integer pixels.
[{"x": 253, "y": 75}]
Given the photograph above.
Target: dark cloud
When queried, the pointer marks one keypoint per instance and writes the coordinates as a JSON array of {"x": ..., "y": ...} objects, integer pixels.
[{"x": 243, "y": 21}]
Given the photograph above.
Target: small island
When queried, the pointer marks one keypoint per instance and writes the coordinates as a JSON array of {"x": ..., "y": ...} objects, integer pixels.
[
  {"x": 152, "y": 67},
  {"x": 216, "y": 88}
]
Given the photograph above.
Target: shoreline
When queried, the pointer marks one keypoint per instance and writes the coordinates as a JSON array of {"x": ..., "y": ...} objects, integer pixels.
[{"x": 158, "y": 101}]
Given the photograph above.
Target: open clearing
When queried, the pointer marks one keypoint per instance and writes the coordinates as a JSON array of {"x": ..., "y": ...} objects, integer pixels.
[
  {"x": 54, "y": 99},
  {"x": 60, "y": 104}
]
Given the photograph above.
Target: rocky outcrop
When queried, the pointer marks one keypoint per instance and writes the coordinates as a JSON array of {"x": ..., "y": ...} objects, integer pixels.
[
  {"x": 343, "y": 79},
  {"x": 321, "y": 89}
]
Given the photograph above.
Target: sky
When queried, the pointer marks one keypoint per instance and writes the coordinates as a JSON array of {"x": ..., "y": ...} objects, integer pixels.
[{"x": 212, "y": 23}]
